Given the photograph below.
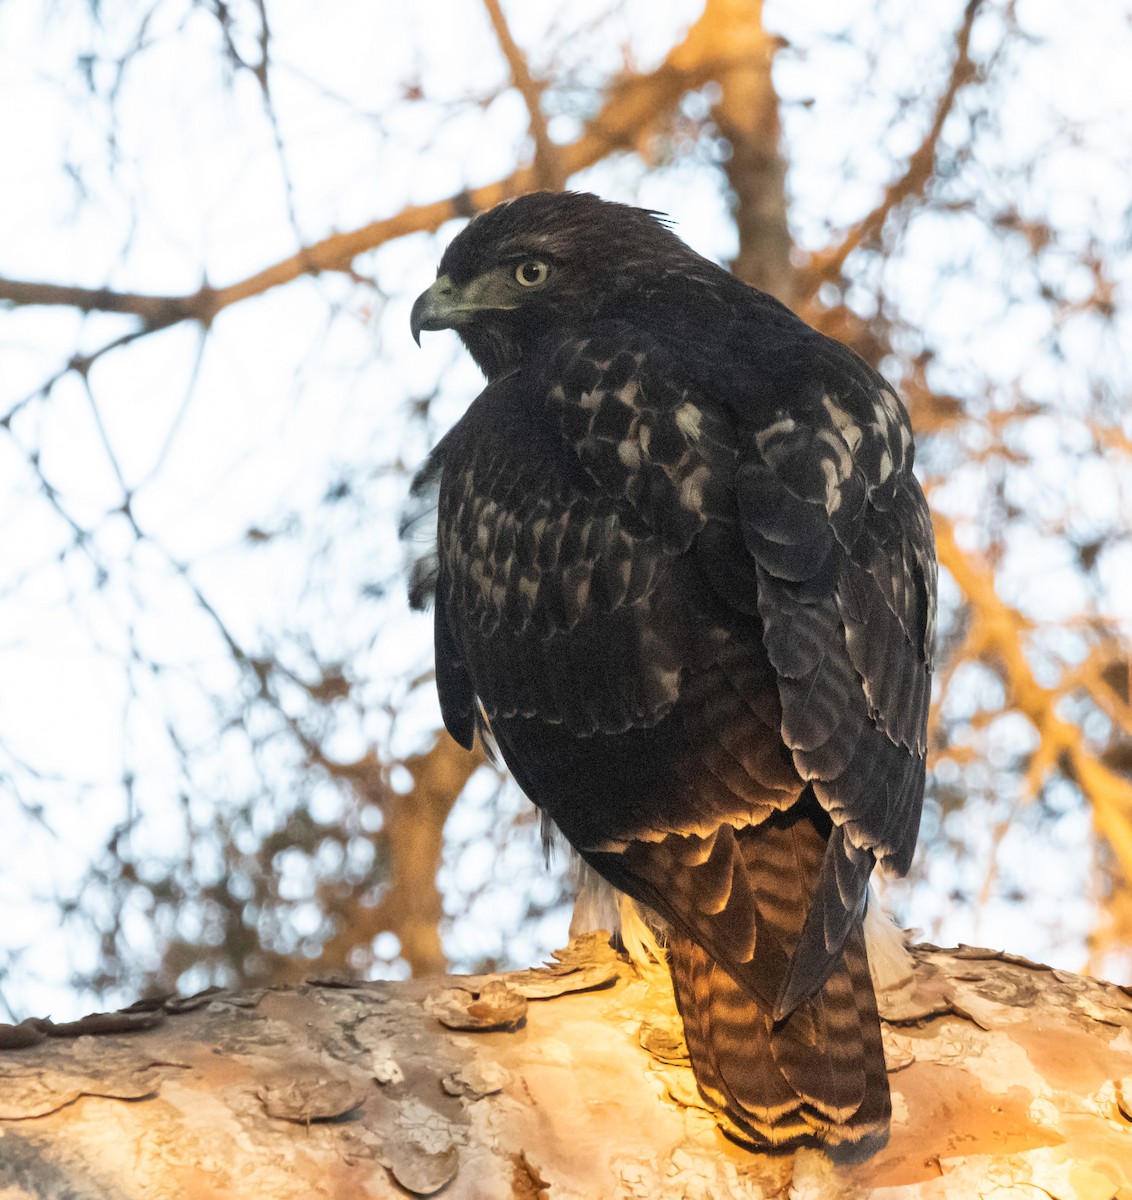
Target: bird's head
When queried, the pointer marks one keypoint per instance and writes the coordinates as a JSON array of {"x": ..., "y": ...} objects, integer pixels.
[{"x": 542, "y": 263}]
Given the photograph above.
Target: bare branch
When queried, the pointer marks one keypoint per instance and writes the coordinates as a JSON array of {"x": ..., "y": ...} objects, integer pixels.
[
  {"x": 156, "y": 312},
  {"x": 548, "y": 170},
  {"x": 918, "y": 174},
  {"x": 1009, "y": 1075},
  {"x": 747, "y": 116},
  {"x": 998, "y": 637},
  {"x": 412, "y": 841},
  {"x": 635, "y": 106}
]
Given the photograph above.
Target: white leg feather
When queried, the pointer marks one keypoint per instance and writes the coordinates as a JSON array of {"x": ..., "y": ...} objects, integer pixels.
[
  {"x": 601, "y": 906},
  {"x": 890, "y": 960},
  {"x": 597, "y": 904}
]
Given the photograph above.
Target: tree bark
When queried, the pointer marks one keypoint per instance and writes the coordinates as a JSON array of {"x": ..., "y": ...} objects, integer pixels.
[{"x": 1008, "y": 1079}]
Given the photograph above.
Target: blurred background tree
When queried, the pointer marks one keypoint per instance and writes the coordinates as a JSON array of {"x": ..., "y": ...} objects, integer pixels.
[{"x": 219, "y": 747}]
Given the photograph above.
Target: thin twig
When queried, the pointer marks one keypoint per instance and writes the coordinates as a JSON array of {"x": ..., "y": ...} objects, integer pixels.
[
  {"x": 635, "y": 104},
  {"x": 1108, "y": 793},
  {"x": 919, "y": 172}
]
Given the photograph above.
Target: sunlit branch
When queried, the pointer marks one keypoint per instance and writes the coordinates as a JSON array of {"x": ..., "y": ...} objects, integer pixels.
[
  {"x": 412, "y": 838},
  {"x": 547, "y": 168},
  {"x": 997, "y": 636},
  {"x": 747, "y": 116},
  {"x": 635, "y": 106},
  {"x": 1090, "y": 675}
]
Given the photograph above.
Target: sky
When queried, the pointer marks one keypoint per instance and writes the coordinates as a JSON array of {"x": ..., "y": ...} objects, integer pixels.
[{"x": 179, "y": 180}]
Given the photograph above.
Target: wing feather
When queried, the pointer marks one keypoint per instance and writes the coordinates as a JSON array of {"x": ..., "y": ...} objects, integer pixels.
[{"x": 821, "y": 503}]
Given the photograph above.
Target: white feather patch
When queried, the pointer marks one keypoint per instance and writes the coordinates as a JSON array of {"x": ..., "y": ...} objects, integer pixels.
[
  {"x": 600, "y": 905},
  {"x": 688, "y": 418},
  {"x": 890, "y": 961}
]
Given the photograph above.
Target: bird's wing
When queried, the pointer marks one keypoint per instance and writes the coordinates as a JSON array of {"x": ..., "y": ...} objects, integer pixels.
[
  {"x": 542, "y": 583},
  {"x": 845, "y": 569},
  {"x": 813, "y": 521}
]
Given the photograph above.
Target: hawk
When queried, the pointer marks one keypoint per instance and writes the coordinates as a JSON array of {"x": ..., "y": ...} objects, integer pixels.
[{"x": 685, "y": 579}]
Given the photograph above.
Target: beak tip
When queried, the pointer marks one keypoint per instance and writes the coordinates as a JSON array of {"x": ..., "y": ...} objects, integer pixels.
[
  {"x": 436, "y": 308},
  {"x": 416, "y": 317}
]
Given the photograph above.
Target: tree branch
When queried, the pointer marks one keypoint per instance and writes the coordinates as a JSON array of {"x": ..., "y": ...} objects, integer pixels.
[
  {"x": 747, "y": 116},
  {"x": 996, "y": 636},
  {"x": 412, "y": 840},
  {"x": 547, "y": 169},
  {"x": 1007, "y": 1078},
  {"x": 635, "y": 105},
  {"x": 827, "y": 264},
  {"x": 155, "y": 312}
]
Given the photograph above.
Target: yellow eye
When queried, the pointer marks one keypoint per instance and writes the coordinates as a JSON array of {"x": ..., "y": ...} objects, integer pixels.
[{"x": 531, "y": 272}]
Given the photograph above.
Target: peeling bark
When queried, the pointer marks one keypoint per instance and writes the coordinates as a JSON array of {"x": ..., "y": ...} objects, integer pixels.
[{"x": 562, "y": 1082}]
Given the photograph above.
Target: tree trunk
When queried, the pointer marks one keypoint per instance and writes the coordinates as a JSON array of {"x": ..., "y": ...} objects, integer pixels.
[{"x": 1008, "y": 1079}]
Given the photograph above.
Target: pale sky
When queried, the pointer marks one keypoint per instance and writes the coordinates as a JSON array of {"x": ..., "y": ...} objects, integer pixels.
[{"x": 305, "y": 386}]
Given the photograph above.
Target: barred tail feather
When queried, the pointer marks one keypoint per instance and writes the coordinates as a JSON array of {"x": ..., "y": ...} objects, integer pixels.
[{"x": 817, "y": 1075}]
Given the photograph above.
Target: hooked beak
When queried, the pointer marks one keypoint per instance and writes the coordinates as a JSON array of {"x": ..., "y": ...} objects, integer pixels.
[
  {"x": 447, "y": 305},
  {"x": 436, "y": 308}
]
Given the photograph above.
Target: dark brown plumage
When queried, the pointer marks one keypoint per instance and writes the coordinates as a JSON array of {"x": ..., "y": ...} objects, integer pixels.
[{"x": 685, "y": 576}]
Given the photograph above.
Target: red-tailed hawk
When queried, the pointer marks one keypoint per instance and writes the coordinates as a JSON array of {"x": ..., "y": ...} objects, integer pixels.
[{"x": 686, "y": 578}]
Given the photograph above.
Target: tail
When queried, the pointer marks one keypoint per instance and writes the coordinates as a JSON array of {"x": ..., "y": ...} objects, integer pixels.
[{"x": 817, "y": 1075}]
